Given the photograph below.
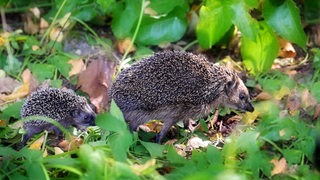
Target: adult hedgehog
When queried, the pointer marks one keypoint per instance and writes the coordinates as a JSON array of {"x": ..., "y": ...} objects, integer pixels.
[
  {"x": 173, "y": 86},
  {"x": 64, "y": 106}
]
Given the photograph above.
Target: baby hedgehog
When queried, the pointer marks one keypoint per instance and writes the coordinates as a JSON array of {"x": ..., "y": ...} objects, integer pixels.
[
  {"x": 173, "y": 86},
  {"x": 64, "y": 106}
]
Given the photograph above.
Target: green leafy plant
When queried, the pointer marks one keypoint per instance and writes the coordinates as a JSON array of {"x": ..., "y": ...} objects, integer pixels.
[{"x": 259, "y": 43}]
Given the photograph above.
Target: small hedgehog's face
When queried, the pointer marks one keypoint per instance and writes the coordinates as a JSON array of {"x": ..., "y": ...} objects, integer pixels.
[
  {"x": 237, "y": 96},
  {"x": 83, "y": 117}
]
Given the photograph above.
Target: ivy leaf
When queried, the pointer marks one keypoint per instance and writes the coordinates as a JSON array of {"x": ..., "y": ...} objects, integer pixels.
[
  {"x": 215, "y": 20},
  {"x": 242, "y": 19},
  {"x": 258, "y": 55},
  {"x": 284, "y": 18}
]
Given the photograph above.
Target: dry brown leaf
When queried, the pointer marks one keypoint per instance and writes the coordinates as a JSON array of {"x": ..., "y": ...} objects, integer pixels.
[
  {"x": 43, "y": 25},
  {"x": 28, "y": 83},
  {"x": 286, "y": 49},
  {"x": 263, "y": 96},
  {"x": 307, "y": 99},
  {"x": 124, "y": 44},
  {"x": 70, "y": 145},
  {"x": 154, "y": 126},
  {"x": 96, "y": 81},
  {"x": 29, "y": 26},
  {"x": 3, "y": 123},
  {"x": 58, "y": 150},
  {"x": 35, "y": 11},
  {"x": 56, "y": 34},
  {"x": 8, "y": 85},
  {"x": 280, "y": 166},
  {"x": 77, "y": 66},
  {"x": 316, "y": 111},
  {"x": 37, "y": 144},
  {"x": 293, "y": 103}
]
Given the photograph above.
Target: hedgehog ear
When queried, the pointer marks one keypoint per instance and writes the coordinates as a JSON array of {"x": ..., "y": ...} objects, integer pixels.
[{"x": 229, "y": 87}]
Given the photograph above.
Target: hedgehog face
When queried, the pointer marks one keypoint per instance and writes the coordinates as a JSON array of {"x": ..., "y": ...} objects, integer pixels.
[
  {"x": 83, "y": 117},
  {"x": 237, "y": 95}
]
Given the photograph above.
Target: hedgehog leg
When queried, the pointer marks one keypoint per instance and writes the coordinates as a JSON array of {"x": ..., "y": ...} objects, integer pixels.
[
  {"x": 166, "y": 127},
  {"x": 57, "y": 132}
]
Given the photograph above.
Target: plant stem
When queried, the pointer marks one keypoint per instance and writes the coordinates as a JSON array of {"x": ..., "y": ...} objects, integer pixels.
[
  {"x": 53, "y": 22},
  {"x": 273, "y": 144},
  {"x": 135, "y": 32}
]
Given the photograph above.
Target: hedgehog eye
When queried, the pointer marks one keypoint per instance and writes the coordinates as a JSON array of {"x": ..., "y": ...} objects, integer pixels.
[{"x": 242, "y": 96}]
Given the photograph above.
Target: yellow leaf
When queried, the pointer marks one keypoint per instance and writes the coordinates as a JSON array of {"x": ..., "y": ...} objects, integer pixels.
[
  {"x": 2, "y": 41},
  {"x": 143, "y": 168},
  {"x": 56, "y": 34},
  {"x": 22, "y": 91},
  {"x": 250, "y": 117},
  {"x": 123, "y": 45},
  {"x": 282, "y": 92},
  {"x": 37, "y": 144},
  {"x": 77, "y": 66}
]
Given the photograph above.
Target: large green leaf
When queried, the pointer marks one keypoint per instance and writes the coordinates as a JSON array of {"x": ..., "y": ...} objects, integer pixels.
[
  {"x": 242, "y": 19},
  {"x": 166, "y": 6},
  {"x": 42, "y": 71},
  {"x": 258, "y": 55},
  {"x": 215, "y": 20},
  {"x": 156, "y": 31},
  {"x": 61, "y": 63},
  {"x": 284, "y": 18},
  {"x": 125, "y": 17}
]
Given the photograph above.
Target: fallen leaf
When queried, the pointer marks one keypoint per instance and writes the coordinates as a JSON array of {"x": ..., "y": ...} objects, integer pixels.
[
  {"x": 124, "y": 44},
  {"x": 293, "y": 103},
  {"x": 43, "y": 25},
  {"x": 141, "y": 169},
  {"x": 64, "y": 21},
  {"x": 263, "y": 96},
  {"x": 35, "y": 11},
  {"x": 250, "y": 117},
  {"x": 307, "y": 99},
  {"x": 66, "y": 145},
  {"x": 58, "y": 150},
  {"x": 30, "y": 26},
  {"x": 77, "y": 66},
  {"x": 29, "y": 83},
  {"x": 196, "y": 142},
  {"x": 96, "y": 81},
  {"x": 282, "y": 92},
  {"x": 153, "y": 126},
  {"x": 286, "y": 49},
  {"x": 280, "y": 166},
  {"x": 3, "y": 123},
  {"x": 36, "y": 145},
  {"x": 2, "y": 41},
  {"x": 8, "y": 85},
  {"x": 56, "y": 34},
  {"x": 316, "y": 113}
]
